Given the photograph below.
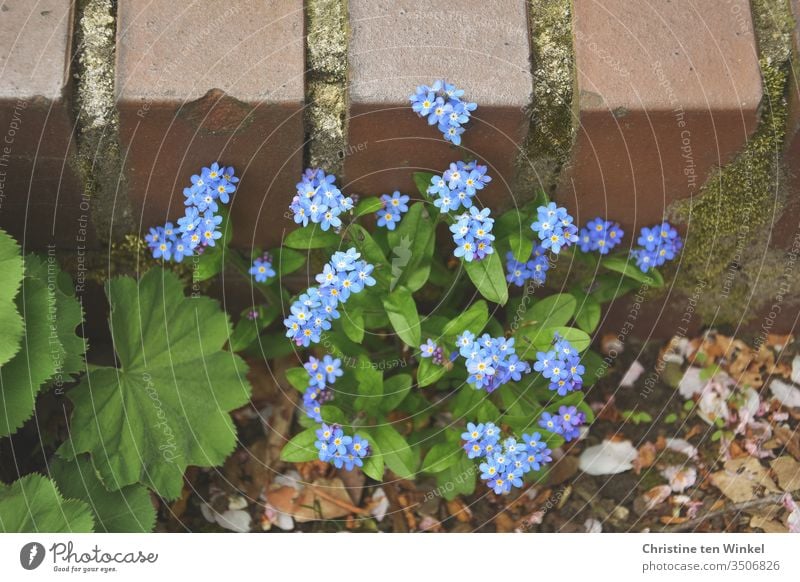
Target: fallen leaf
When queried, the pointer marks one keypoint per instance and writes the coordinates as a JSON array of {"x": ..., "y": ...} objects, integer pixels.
[
  {"x": 634, "y": 371},
  {"x": 645, "y": 457},
  {"x": 768, "y": 525},
  {"x": 742, "y": 479},
  {"x": 651, "y": 499},
  {"x": 608, "y": 458},
  {"x": 790, "y": 439},
  {"x": 787, "y": 470}
]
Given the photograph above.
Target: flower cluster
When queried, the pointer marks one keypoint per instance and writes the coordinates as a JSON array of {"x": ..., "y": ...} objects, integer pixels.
[
  {"x": 457, "y": 186},
  {"x": 567, "y": 422},
  {"x": 562, "y": 366},
  {"x": 535, "y": 269},
  {"x": 491, "y": 362},
  {"x": 430, "y": 350},
  {"x": 659, "y": 244},
  {"x": 441, "y": 103},
  {"x": 322, "y": 374},
  {"x": 199, "y": 227},
  {"x": 262, "y": 268},
  {"x": 504, "y": 463},
  {"x": 313, "y": 311},
  {"x": 472, "y": 233},
  {"x": 319, "y": 201},
  {"x": 340, "y": 449},
  {"x": 394, "y": 207},
  {"x": 554, "y": 227},
  {"x": 600, "y": 235}
]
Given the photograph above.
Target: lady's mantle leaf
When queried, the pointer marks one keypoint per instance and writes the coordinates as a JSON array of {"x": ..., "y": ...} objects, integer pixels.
[
  {"x": 34, "y": 505},
  {"x": 127, "y": 510},
  {"x": 167, "y": 405}
]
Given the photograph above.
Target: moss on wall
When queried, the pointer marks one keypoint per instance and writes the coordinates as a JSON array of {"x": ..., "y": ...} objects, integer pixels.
[
  {"x": 98, "y": 160},
  {"x": 326, "y": 83},
  {"x": 728, "y": 223},
  {"x": 551, "y": 134}
]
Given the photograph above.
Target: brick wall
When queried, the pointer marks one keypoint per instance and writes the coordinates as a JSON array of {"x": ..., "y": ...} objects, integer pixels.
[{"x": 664, "y": 95}]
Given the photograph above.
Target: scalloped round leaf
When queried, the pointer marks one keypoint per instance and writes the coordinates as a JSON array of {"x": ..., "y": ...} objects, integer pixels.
[
  {"x": 11, "y": 267},
  {"x": 167, "y": 406},
  {"x": 33, "y": 504},
  {"x": 301, "y": 448},
  {"x": 22, "y": 377},
  {"x": 127, "y": 510}
]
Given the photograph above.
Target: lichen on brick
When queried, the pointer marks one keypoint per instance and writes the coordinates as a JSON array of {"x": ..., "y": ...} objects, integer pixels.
[
  {"x": 326, "y": 83},
  {"x": 728, "y": 222},
  {"x": 98, "y": 159},
  {"x": 552, "y": 129}
]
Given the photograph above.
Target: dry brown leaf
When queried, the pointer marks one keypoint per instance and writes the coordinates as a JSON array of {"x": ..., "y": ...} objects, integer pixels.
[
  {"x": 504, "y": 523},
  {"x": 790, "y": 438},
  {"x": 646, "y": 457},
  {"x": 456, "y": 508},
  {"x": 743, "y": 479},
  {"x": 672, "y": 519},
  {"x": 768, "y": 525},
  {"x": 787, "y": 470},
  {"x": 651, "y": 499}
]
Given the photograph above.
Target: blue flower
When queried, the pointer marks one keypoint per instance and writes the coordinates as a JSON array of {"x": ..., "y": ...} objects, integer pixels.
[
  {"x": 181, "y": 248},
  {"x": 554, "y": 228},
  {"x": 332, "y": 368},
  {"x": 658, "y": 244},
  {"x": 319, "y": 201},
  {"x": 388, "y": 218},
  {"x": 442, "y": 105},
  {"x": 163, "y": 250},
  {"x": 427, "y": 349},
  {"x": 262, "y": 270},
  {"x": 600, "y": 235}
]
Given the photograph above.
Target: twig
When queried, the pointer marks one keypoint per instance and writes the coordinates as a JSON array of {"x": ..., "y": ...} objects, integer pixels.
[{"x": 738, "y": 507}]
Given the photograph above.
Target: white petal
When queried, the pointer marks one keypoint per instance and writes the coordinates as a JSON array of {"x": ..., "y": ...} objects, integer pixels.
[
  {"x": 796, "y": 370},
  {"x": 234, "y": 520},
  {"x": 633, "y": 373},
  {"x": 691, "y": 383},
  {"x": 608, "y": 458},
  {"x": 787, "y": 394}
]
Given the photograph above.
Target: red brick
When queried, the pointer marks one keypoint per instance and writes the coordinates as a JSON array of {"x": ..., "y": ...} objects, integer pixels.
[
  {"x": 636, "y": 63},
  {"x": 208, "y": 81},
  {"x": 395, "y": 45},
  {"x": 40, "y": 190}
]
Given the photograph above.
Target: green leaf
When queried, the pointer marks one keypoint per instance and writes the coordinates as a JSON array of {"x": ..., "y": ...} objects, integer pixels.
[
  {"x": 23, "y": 376},
  {"x": 209, "y": 264},
  {"x": 473, "y": 319},
  {"x": 33, "y": 504},
  {"x": 555, "y": 310},
  {"x": 11, "y": 267},
  {"x": 395, "y": 390},
  {"x": 412, "y": 244},
  {"x": 167, "y": 406},
  {"x": 353, "y": 324},
  {"x": 627, "y": 267},
  {"x": 402, "y": 311},
  {"x": 298, "y": 377},
  {"x": 428, "y": 372},
  {"x": 595, "y": 367},
  {"x": 311, "y": 237},
  {"x": 521, "y": 247},
  {"x": 534, "y": 339},
  {"x": 127, "y": 510},
  {"x": 422, "y": 180},
  {"x": 373, "y": 464},
  {"x": 287, "y": 260},
  {"x": 369, "y": 205},
  {"x": 458, "y": 479},
  {"x": 301, "y": 448},
  {"x": 440, "y": 457},
  {"x": 488, "y": 277},
  {"x": 607, "y": 287},
  {"x": 369, "y": 385},
  {"x": 397, "y": 455},
  {"x": 589, "y": 311}
]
